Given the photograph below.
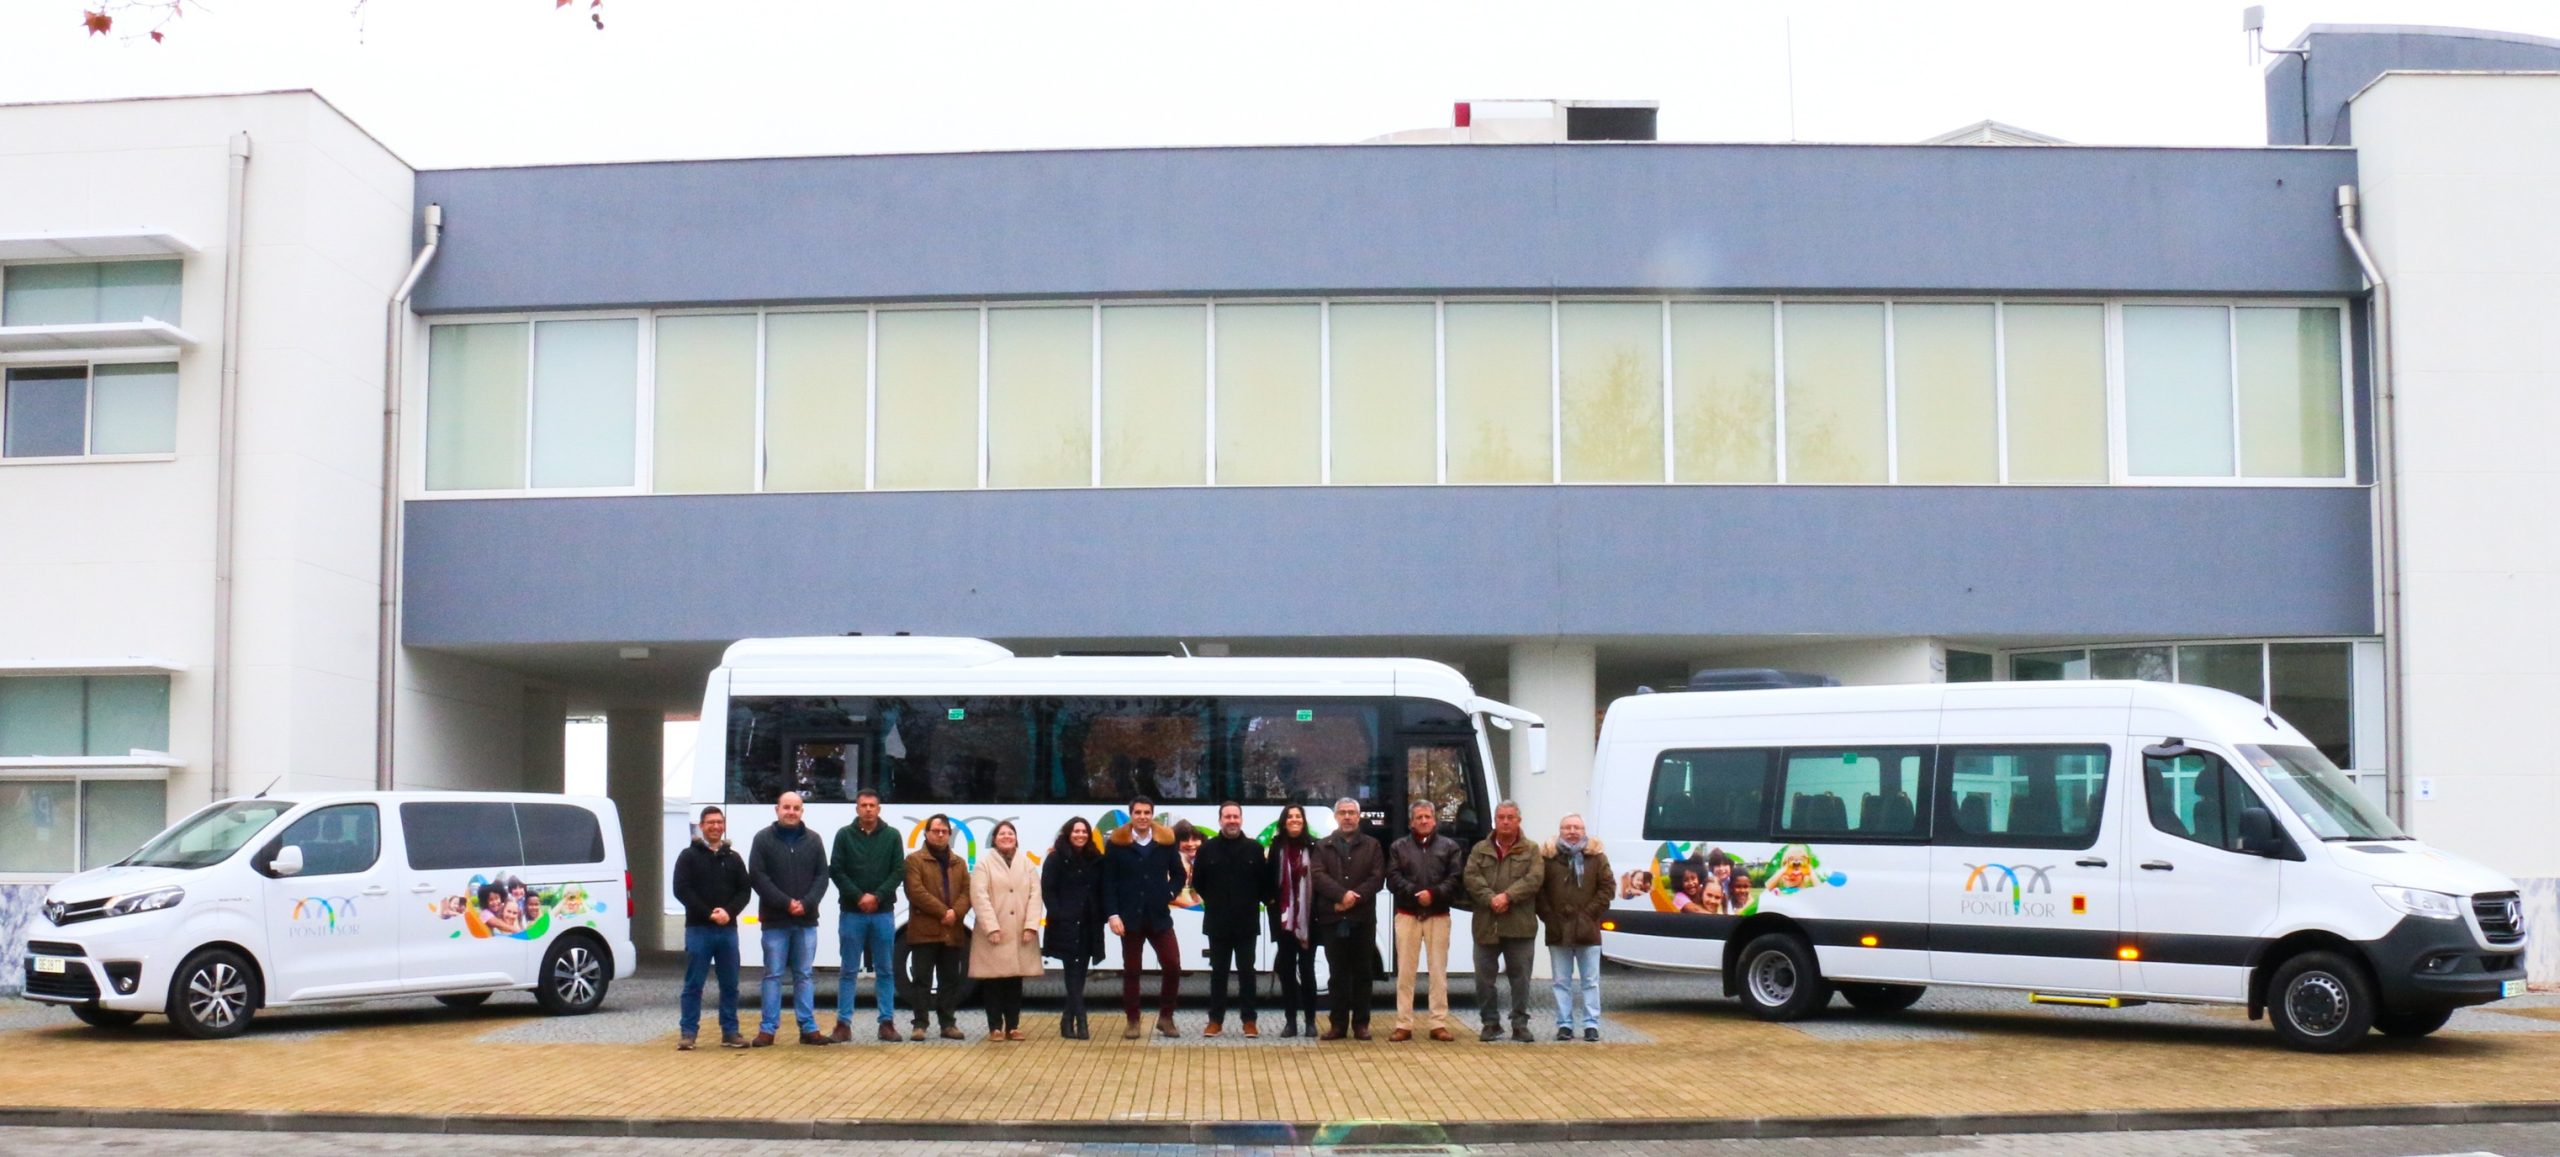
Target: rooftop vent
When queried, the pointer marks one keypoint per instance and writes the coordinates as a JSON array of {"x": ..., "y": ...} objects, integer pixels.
[
  {"x": 1481, "y": 122},
  {"x": 1993, "y": 133}
]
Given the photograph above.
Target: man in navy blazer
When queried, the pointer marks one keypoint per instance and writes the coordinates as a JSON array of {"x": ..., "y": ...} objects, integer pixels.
[{"x": 1140, "y": 875}]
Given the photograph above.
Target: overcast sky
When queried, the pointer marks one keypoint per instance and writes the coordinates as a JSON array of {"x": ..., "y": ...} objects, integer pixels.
[{"x": 499, "y": 82}]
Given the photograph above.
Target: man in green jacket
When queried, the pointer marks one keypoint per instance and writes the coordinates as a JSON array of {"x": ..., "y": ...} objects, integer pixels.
[
  {"x": 1504, "y": 873},
  {"x": 868, "y": 865}
]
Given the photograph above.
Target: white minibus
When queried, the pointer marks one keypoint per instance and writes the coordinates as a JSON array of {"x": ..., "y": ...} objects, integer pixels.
[
  {"x": 293, "y": 900},
  {"x": 965, "y": 728},
  {"x": 2090, "y": 843}
]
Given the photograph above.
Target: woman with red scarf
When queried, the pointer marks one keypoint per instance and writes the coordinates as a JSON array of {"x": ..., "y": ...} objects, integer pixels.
[{"x": 1290, "y": 898}]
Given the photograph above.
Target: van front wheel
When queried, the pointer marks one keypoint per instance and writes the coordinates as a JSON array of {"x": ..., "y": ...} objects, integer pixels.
[
  {"x": 574, "y": 977},
  {"x": 1780, "y": 978},
  {"x": 213, "y": 995},
  {"x": 2414, "y": 1024},
  {"x": 96, "y": 1017},
  {"x": 2321, "y": 1002},
  {"x": 1880, "y": 998}
]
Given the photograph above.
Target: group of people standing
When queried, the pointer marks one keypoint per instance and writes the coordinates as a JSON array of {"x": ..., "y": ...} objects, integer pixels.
[{"x": 1003, "y": 915}]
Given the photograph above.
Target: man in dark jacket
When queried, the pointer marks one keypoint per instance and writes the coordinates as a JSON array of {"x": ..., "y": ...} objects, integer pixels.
[
  {"x": 868, "y": 867},
  {"x": 711, "y": 883},
  {"x": 1572, "y": 901},
  {"x": 1504, "y": 875},
  {"x": 1228, "y": 875},
  {"x": 1345, "y": 872},
  {"x": 1426, "y": 872},
  {"x": 1140, "y": 875},
  {"x": 788, "y": 866}
]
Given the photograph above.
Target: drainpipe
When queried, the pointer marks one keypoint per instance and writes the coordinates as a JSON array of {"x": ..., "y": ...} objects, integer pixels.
[
  {"x": 225, "y": 476},
  {"x": 386, "y": 671},
  {"x": 2386, "y": 490}
]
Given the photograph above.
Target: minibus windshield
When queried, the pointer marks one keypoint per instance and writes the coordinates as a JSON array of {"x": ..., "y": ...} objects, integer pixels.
[
  {"x": 2321, "y": 794},
  {"x": 211, "y": 835}
]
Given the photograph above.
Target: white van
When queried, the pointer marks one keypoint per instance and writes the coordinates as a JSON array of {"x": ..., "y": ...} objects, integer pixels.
[
  {"x": 296, "y": 900},
  {"x": 2094, "y": 843}
]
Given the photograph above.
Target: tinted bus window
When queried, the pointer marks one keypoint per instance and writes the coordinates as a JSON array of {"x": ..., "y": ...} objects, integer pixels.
[
  {"x": 808, "y": 744},
  {"x": 1305, "y": 753},
  {"x": 462, "y": 834},
  {"x": 955, "y": 751},
  {"x": 2024, "y": 797},
  {"x": 1701, "y": 795},
  {"x": 1112, "y": 750},
  {"x": 559, "y": 833},
  {"x": 1867, "y": 791}
]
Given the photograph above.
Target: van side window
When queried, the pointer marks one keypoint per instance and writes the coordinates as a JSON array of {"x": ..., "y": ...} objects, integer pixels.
[
  {"x": 1871, "y": 792},
  {"x": 334, "y": 840},
  {"x": 1112, "y": 750},
  {"x": 1310, "y": 753},
  {"x": 2197, "y": 797},
  {"x": 935, "y": 751},
  {"x": 2041, "y": 796},
  {"x": 461, "y": 834},
  {"x": 559, "y": 833},
  {"x": 1700, "y": 795}
]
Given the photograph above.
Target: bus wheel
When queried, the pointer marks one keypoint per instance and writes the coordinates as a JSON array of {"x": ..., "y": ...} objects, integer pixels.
[
  {"x": 1880, "y": 998},
  {"x": 2321, "y": 1002},
  {"x": 1780, "y": 979},
  {"x": 2412, "y": 1024}
]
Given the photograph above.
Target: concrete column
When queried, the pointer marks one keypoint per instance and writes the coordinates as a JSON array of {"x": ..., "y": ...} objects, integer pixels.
[
  {"x": 1559, "y": 681},
  {"x": 635, "y": 776},
  {"x": 545, "y": 733}
]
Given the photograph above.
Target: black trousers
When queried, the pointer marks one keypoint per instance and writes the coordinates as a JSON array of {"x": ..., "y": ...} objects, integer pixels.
[
  {"x": 1223, "y": 953},
  {"x": 933, "y": 981},
  {"x": 1295, "y": 965},
  {"x": 1351, "y": 955},
  {"x": 1004, "y": 1002},
  {"x": 1077, "y": 968}
]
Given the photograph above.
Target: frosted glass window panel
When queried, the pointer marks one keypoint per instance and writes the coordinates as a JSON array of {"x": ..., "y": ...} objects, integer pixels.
[
  {"x": 705, "y": 412},
  {"x": 133, "y": 409},
  {"x": 1155, "y": 395},
  {"x": 134, "y": 290},
  {"x": 1040, "y": 397},
  {"x": 1385, "y": 385},
  {"x": 1724, "y": 391},
  {"x": 127, "y": 713},
  {"x": 476, "y": 405},
  {"x": 89, "y": 293},
  {"x": 1612, "y": 361},
  {"x": 2056, "y": 380},
  {"x": 2150, "y": 664},
  {"x": 1270, "y": 378},
  {"x": 2312, "y": 687},
  {"x": 1946, "y": 403},
  {"x": 2048, "y": 666},
  {"x": 1835, "y": 392},
  {"x": 38, "y": 831},
  {"x": 2177, "y": 390},
  {"x": 586, "y": 402},
  {"x": 928, "y": 399},
  {"x": 2292, "y": 418},
  {"x": 2239, "y": 668},
  {"x": 41, "y": 715},
  {"x": 814, "y": 404},
  {"x": 118, "y": 816},
  {"x": 47, "y": 412},
  {"x": 1500, "y": 376}
]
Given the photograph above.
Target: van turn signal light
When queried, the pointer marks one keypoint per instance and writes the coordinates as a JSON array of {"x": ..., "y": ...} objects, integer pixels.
[
  {"x": 2128, "y": 952},
  {"x": 1608, "y": 925},
  {"x": 1867, "y": 941}
]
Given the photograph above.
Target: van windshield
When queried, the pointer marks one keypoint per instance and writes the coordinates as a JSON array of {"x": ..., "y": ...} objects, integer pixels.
[
  {"x": 211, "y": 835},
  {"x": 2321, "y": 794}
]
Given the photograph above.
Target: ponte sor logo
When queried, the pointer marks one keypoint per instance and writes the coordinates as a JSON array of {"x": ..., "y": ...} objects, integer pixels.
[
  {"x": 2002, "y": 890},
  {"x": 323, "y": 916}
]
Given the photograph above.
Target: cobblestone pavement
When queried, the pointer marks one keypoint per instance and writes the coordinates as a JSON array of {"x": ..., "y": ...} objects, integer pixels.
[
  {"x": 2410, "y": 1141},
  {"x": 1671, "y": 1049}
]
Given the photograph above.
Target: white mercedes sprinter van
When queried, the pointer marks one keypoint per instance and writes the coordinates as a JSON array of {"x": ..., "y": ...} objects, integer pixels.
[
  {"x": 2095, "y": 843},
  {"x": 298, "y": 900}
]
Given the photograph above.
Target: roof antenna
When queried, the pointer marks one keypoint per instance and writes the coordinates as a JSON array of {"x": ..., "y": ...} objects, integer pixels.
[
  {"x": 1186, "y": 648},
  {"x": 2253, "y": 24},
  {"x": 271, "y": 786}
]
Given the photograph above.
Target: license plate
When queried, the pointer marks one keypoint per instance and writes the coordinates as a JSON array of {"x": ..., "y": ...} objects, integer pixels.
[
  {"x": 2511, "y": 988},
  {"x": 51, "y": 964}
]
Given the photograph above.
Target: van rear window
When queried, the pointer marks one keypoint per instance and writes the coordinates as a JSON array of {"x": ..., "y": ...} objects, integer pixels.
[
  {"x": 1710, "y": 794},
  {"x": 559, "y": 833},
  {"x": 461, "y": 834}
]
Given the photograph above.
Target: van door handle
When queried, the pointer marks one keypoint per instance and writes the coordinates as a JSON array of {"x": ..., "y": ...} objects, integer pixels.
[
  {"x": 2089, "y": 862},
  {"x": 423, "y": 888},
  {"x": 377, "y": 890},
  {"x": 2158, "y": 866}
]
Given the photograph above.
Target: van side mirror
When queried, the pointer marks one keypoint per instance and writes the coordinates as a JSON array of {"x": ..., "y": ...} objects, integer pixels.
[
  {"x": 2170, "y": 748},
  {"x": 2258, "y": 833},
  {"x": 288, "y": 862}
]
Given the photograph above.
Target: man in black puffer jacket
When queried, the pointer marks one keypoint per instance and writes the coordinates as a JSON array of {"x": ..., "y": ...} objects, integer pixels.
[{"x": 711, "y": 883}]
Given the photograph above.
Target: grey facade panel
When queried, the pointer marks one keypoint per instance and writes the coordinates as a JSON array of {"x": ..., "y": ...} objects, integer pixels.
[
  {"x": 2345, "y": 58},
  {"x": 1472, "y": 562},
  {"x": 1387, "y": 219}
]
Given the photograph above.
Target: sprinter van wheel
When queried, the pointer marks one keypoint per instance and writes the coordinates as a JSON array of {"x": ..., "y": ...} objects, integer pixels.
[
  {"x": 2412, "y": 1024},
  {"x": 574, "y": 976},
  {"x": 1881, "y": 997},
  {"x": 463, "y": 999},
  {"x": 1780, "y": 980},
  {"x": 96, "y": 1017},
  {"x": 213, "y": 995},
  {"x": 2321, "y": 1002}
]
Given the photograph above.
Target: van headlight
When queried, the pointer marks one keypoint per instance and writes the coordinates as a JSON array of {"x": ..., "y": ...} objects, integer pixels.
[
  {"x": 2416, "y": 902},
  {"x": 151, "y": 901}
]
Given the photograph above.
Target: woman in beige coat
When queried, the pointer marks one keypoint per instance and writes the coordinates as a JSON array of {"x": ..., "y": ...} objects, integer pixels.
[{"x": 1004, "y": 896}]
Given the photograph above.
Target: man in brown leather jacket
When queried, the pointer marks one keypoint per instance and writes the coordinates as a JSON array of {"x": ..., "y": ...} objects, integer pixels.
[{"x": 1346, "y": 871}]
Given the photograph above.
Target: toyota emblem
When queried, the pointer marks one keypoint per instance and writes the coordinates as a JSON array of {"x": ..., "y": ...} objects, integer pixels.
[{"x": 53, "y": 910}]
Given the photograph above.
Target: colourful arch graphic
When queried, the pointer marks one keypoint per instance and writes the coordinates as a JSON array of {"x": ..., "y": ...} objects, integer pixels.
[{"x": 1979, "y": 880}]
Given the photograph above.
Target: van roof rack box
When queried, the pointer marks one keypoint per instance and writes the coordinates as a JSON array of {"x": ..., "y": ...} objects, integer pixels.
[{"x": 1756, "y": 679}]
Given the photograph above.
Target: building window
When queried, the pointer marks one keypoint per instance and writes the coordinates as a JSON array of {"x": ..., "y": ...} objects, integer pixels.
[
  {"x": 476, "y": 405},
  {"x": 1835, "y": 392},
  {"x": 1039, "y": 397},
  {"x": 1611, "y": 357},
  {"x": 2054, "y": 385},
  {"x": 1499, "y": 374},
  {"x": 1270, "y": 395},
  {"x": 58, "y": 826},
  {"x": 1724, "y": 391},
  {"x": 928, "y": 399},
  {"x": 1385, "y": 374},
  {"x": 2219, "y": 392},
  {"x": 1968, "y": 666},
  {"x": 585, "y": 402},
  {"x": 2310, "y": 684},
  {"x": 816, "y": 404},
  {"x": 1945, "y": 396},
  {"x": 89, "y": 293},
  {"x": 71, "y": 411},
  {"x": 1155, "y": 395},
  {"x": 76, "y": 715},
  {"x": 706, "y": 405}
]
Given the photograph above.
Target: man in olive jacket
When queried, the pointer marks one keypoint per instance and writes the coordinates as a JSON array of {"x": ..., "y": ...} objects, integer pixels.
[
  {"x": 868, "y": 866},
  {"x": 1572, "y": 901},
  {"x": 1344, "y": 874},
  {"x": 1504, "y": 875}
]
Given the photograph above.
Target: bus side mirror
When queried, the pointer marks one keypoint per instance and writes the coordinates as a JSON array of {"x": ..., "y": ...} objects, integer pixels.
[
  {"x": 1537, "y": 749},
  {"x": 288, "y": 862},
  {"x": 2258, "y": 833}
]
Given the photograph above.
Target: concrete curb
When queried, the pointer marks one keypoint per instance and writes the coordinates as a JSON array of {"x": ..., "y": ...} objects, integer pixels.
[{"x": 1288, "y": 1133}]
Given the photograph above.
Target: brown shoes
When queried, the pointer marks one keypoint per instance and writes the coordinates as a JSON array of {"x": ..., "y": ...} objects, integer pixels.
[
  {"x": 1360, "y": 1032},
  {"x": 1441, "y": 1034},
  {"x": 889, "y": 1032},
  {"x": 816, "y": 1038},
  {"x": 1014, "y": 1034},
  {"x": 1250, "y": 1032},
  {"x": 1400, "y": 1036},
  {"x": 684, "y": 1044},
  {"x": 1164, "y": 1026},
  {"x": 1131, "y": 1032},
  {"x": 843, "y": 1033},
  {"x": 919, "y": 1032},
  {"x": 1331, "y": 1033},
  {"x": 952, "y": 1032},
  {"x": 732, "y": 1041},
  {"x": 1214, "y": 1029},
  {"x": 764, "y": 1040}
]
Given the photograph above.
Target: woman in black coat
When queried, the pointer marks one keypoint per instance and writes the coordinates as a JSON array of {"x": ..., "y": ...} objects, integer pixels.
[{"x": 1071, "y": 887}]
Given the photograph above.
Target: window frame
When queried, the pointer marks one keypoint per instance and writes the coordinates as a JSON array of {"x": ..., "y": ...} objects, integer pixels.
[
  {"x": 2120, "y": 470},
  {"x": 2230, "y": 816},
  {"x": 1770, "y": 776},
  {"x": 1946, "y": 799},
  {"x": 263, "y": 860},
  {"x": 174, "y": 257},
  {"x": 1923, "y": 796},
  {"x": 88, "y": 362}
]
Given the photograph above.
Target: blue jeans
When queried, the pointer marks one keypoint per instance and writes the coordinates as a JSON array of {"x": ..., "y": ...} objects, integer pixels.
[
  {"x": 868, "y": 940},
  {"x": 707, "y": 947},
  {"x": 796, "y": 948},
  {"x": 1584, "y": 960}
]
